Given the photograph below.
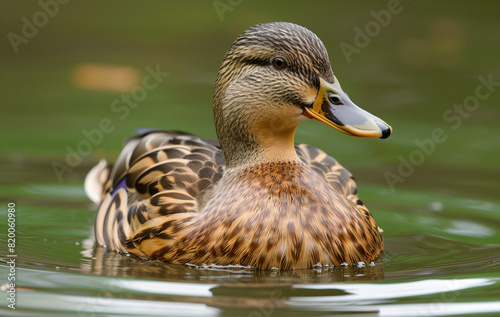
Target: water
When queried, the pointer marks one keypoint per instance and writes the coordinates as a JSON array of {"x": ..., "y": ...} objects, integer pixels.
[
  {"x": 441, "y": 218},
  {"x": 441, "y": 258}
]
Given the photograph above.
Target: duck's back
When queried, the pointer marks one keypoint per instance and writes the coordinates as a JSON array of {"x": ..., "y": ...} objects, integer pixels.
[
  {"x": 150, "y": 203},
  {"x": 158, "y": 174}
]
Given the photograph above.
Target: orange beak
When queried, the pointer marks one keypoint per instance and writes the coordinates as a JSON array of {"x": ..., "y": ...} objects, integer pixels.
[{"x": 333, "y": 107}]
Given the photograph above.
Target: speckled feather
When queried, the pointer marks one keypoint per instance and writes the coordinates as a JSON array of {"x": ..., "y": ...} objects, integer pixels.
[
  {"x": 254, "y": 199},
  {"x": 157, "y": 215}
]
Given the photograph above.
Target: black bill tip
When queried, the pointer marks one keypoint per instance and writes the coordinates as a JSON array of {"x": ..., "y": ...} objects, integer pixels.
[{"x": 386, "y": 130}]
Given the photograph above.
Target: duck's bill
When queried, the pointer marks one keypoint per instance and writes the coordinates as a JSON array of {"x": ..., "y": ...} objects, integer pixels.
[{"x": 333, "y": 107}]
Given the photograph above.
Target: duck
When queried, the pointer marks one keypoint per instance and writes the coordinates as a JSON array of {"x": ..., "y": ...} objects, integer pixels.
[{"x": 252, "y": 197}]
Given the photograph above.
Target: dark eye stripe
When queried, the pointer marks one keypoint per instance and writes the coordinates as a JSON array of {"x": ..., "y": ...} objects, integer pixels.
[
  {"x": 255, "y": 61},
  {"x": 308, "y": 75}
]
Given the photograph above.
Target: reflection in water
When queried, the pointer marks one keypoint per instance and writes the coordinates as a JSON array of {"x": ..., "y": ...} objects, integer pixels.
[
  {"x": 219, "y": 292},
  {"x": 110, "y": 263},
  {"x": 407, "y": 256}
]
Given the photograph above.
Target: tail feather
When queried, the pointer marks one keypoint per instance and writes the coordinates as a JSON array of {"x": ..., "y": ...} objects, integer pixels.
[
  {"x": 110, "y": 223},
  {"x": 95, "y": 180}
]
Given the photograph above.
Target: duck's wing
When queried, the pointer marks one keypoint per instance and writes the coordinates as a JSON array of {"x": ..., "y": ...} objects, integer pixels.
[
  {"x": 336, "y": 175},
  {"x": 159, "y": 176}
]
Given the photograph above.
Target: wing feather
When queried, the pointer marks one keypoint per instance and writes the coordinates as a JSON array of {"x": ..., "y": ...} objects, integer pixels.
[
  {"x": 159, "y": 175},
  {"x": 337, "y": 176}
]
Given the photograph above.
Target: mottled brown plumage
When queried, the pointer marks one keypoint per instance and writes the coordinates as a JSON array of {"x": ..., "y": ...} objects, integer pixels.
[{"x": 255, "y": 198}]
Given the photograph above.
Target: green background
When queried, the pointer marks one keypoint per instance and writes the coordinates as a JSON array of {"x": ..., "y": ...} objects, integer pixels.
[{"x": 441, "y": 224}]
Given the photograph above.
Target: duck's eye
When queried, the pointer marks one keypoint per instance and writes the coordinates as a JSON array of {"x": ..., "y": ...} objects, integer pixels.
[
  {"x": 334, "y": 99},
  {"x": 279, "y": 63}
]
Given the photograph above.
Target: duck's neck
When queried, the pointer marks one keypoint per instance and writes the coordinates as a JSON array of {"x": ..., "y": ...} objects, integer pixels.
[{"x": 256, "y": 142}]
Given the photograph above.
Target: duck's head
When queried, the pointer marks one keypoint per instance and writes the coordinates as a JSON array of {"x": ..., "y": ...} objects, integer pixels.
[{"x": 274, "y": 76}]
